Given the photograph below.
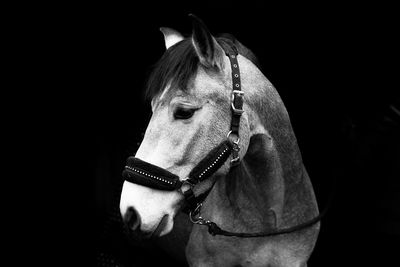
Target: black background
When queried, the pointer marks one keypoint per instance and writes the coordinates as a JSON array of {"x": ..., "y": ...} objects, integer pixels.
[{"x": 333, "y": 66}]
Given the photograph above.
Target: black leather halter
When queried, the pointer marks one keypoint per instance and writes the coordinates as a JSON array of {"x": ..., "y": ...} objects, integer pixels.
[{"x": 146, "y": 174}]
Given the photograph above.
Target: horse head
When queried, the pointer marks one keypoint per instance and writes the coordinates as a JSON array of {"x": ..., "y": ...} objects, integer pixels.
[
  {"x": 198, "y": 95},
  {"x": 190, "y": 90}
]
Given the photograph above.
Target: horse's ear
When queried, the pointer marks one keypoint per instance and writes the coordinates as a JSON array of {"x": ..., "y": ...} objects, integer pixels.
[
  {"x": 171, "y": 36},
  {"x": 210, "y": 53}
]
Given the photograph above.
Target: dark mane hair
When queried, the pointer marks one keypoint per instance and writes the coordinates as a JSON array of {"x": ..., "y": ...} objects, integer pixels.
[{"x": 179, "y": 63}]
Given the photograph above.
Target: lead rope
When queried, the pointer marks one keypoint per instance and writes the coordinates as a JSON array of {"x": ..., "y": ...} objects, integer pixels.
[{"x": 214, "y": 229}]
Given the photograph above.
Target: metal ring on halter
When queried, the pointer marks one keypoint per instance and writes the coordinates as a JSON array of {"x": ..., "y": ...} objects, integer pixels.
[
  {"x": 186, "y": 186},
  {"x": 196, "y": 212},
  {"x": 237, "y": 140}
]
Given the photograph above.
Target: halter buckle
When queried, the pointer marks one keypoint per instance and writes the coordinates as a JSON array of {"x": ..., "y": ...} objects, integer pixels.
[{"x": 237, "y": 96}]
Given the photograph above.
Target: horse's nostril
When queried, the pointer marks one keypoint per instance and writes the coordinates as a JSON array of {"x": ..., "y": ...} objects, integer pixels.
[{"x": 132, "y": 218}]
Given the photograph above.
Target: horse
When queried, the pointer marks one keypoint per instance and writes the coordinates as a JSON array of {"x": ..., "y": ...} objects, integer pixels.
[{"x": 259, "y": 186}]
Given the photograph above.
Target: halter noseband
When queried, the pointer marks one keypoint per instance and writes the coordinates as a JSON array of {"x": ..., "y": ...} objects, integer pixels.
[{"x": 146, "y": 174}]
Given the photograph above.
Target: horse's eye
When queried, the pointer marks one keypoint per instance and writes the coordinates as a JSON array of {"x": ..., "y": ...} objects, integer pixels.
[{"x": 182, "y": 113}]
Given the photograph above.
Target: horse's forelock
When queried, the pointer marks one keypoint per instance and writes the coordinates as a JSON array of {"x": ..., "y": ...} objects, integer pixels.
[
  {"x": 175, "y": 68},
  {"x": 180, "y": 63}
]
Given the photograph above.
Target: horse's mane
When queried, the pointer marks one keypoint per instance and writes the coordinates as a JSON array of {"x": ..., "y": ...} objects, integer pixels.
[{"x": 179, "y": 63}]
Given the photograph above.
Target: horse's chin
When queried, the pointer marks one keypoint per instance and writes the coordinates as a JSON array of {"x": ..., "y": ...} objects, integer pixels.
[{"x": 154, "y": 210}]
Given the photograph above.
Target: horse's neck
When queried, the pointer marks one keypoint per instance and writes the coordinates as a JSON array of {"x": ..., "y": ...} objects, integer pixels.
[{"x": 269, "y": 189}]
